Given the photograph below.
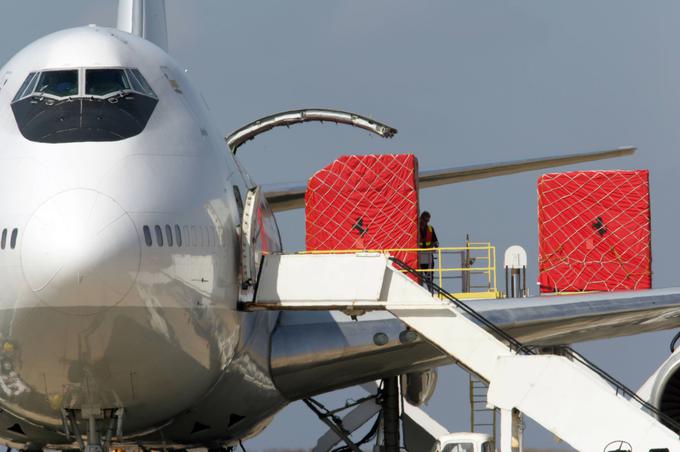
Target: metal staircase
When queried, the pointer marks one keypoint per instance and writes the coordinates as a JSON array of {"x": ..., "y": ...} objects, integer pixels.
[{"x": 566, "y": 393}]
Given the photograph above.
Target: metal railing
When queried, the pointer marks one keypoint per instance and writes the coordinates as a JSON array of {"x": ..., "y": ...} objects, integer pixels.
[
  {"x": 491, "y": 327},
  {"x": 471, "y": 268},
  {"x": 568, "y": 352}
]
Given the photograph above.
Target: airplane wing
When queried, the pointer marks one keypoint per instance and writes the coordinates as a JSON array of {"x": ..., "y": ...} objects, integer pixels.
[
  {"x": 551, "y": 320},
  {"x": 314, "y": 352},
  {"x": 289, "y": 196}
]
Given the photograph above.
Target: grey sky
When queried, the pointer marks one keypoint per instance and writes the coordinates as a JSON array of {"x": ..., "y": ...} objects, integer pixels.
[{"x": 464, "y": 82}]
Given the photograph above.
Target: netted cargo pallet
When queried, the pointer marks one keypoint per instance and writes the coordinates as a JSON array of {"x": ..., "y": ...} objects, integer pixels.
[
  {"x": 594, "y": 231},
  {"x": 364, "y": 202}
]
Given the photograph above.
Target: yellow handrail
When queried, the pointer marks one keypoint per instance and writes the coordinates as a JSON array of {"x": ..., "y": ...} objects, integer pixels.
[{"x": 475, "y": 251}]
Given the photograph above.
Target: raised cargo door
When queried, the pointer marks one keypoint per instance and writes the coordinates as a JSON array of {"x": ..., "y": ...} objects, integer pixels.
[{"x": 251, "y": 244}]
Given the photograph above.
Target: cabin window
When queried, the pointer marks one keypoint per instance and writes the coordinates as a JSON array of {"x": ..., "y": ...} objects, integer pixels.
[
  {"x": 13, "y": 239},
  {"x": 3, "y": 241},
  {"x": 159, "y": 235},
  {"x": 178, "y": 235},
  {"x": 147, "y": 236},
  {"x": 168, "y": 234}
]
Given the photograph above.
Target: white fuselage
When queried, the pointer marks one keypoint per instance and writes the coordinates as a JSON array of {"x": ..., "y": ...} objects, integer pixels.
[{"x": 91, "y": 315}]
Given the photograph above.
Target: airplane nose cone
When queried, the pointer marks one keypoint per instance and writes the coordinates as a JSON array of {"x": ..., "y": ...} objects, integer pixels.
[{"x": 80, "y": 252}]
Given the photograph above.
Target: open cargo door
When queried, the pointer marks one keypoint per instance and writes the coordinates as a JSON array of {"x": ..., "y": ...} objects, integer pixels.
[{"x": 251, "y": 252}]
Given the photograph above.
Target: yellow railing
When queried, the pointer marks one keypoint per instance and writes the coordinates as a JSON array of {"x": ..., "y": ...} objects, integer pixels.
[{"x": 473, "y": 275}]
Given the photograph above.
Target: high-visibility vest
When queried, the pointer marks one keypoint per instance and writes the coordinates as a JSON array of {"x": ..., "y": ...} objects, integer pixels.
[{"x": 426, "y": 242}]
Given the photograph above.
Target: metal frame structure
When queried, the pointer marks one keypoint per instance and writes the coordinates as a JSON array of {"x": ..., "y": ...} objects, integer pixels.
[{"x": 476, "y": 258}]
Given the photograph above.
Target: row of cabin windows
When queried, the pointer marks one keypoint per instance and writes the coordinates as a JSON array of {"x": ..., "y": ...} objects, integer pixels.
[
  {"x": 173, "y": 236},
  {"x": 12, "y": 236}
]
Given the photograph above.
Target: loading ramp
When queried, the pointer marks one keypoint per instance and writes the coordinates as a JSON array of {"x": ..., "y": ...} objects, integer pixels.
[{"x": 565, "y": 393}]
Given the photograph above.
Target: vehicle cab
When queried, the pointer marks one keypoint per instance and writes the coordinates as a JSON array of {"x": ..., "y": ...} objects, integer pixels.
[{"x": 464, "y": 442}]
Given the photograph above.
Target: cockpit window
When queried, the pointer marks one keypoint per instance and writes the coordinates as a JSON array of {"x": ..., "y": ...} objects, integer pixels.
[
  {"x": 100, "y": 82},
  {"x": 58, "y": 83},
  {"x": 139, "y": 82},
  {"x": 27, "y": 87},
  {"x": 76, "y": 105}
]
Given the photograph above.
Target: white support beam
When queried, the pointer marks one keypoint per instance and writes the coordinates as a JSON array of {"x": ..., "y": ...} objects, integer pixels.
[{"x": 506, "y": 430}]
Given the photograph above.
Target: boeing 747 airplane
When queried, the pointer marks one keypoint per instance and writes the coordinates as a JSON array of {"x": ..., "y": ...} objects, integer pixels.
[{"x": 123, "y": 258}]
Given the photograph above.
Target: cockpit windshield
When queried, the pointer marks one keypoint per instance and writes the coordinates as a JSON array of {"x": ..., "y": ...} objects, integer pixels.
[
  {"x": 100, "y": 82},
  {"x": 86, "y": 104},
  {"x": 58, "y": 83}
]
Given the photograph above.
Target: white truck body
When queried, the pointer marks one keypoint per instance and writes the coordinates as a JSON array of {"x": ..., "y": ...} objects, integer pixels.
[{"x": 464, "y": 442}]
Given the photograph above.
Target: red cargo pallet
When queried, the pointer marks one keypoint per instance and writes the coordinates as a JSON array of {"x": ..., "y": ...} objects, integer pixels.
[
  {"x": 364, "y": 202},
  {"x": 594, "y": 231}
]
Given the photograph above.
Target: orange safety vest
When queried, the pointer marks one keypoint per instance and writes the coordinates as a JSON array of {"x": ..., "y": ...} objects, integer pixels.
[{"x": 426, "y": 242}]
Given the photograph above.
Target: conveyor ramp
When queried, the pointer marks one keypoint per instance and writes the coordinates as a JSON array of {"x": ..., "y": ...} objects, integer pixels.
[{"x": 566, "y": 394}]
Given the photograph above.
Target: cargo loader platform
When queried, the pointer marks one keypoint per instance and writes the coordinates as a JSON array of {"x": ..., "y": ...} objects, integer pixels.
[{"x": 565, "y": 393}]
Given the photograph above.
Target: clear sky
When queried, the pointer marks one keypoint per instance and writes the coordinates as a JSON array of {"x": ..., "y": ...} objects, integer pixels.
[{"x": 464, "y": 82}]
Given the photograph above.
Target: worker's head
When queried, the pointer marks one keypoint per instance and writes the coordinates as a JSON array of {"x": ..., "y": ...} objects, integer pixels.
[{"x": 424, "y": 218}]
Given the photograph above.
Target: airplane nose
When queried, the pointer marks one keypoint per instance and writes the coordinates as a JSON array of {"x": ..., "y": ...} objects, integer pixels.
[{"x": 80, "y": 252}]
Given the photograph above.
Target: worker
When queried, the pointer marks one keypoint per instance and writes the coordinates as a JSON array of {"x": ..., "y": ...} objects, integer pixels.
[{"x": 427, "y": 238}]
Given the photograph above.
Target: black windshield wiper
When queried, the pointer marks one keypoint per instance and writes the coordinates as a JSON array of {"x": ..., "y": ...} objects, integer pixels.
[{"x": 118, "y": 94}]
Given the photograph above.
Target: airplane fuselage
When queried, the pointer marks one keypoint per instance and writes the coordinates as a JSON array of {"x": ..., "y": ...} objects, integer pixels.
[{"x": 119, "y": 267}]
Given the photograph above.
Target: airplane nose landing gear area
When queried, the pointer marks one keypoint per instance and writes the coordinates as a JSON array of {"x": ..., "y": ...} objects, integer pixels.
[{"x": 80, "y": 251}]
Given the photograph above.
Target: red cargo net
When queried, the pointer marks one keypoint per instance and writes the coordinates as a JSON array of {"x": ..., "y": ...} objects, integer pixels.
[
  {"x": 364, "y": 202},
  {"x": 594, "y": 231}
]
